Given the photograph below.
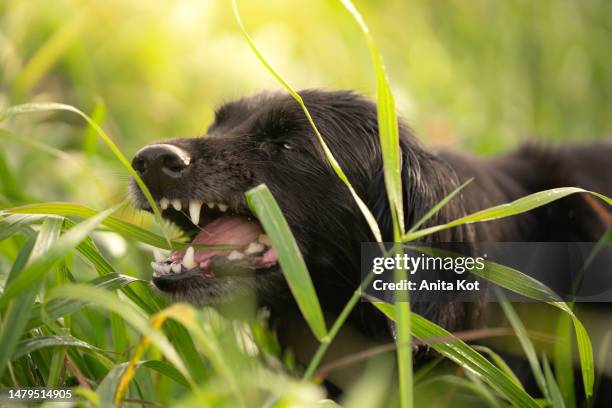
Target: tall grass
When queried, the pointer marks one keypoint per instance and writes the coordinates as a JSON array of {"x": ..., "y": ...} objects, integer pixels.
[{"x": 71, "y": 316}]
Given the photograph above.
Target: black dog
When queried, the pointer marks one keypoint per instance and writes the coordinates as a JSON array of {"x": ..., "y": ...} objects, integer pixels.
[{"x": 200, "y": 182}]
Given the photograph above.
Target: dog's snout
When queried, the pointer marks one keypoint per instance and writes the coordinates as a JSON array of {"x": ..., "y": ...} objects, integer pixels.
[{"x": 161, "y": 160}]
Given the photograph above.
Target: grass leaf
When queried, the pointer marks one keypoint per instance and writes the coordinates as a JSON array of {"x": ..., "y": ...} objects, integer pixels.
[
  {"x": 27, "y": 346},
  {"x": 369, "y": 217},
  {"x": 123, "y": 228},
  {"x": 556, "y": 398},
  {"x": 56, "y": 308},
  {"x": 464, "y": 355},
  {"x": 13, "y": 324},
  {"x": 105, "y": 300},
  {"x": 266, "y": 209},
  {"x": 387, "y": 127},
  {"x": 41, "y": 265},
  {"x": 519, "y": 206},
  {"x": 528, "y": 347},
  {"x": 51, "y": 106},
  {"x": 563, "y": 359}
]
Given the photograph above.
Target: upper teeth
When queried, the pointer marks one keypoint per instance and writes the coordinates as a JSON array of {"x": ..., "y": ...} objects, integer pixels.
[
  {"x": 189, "y": 259},
  {"x": 159, "y": 255},
  {"x": 194, "y": 210},
  {"x": 193, "y": 205}
]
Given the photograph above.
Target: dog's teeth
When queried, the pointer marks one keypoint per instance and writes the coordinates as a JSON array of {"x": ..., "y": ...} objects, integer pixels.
[
  {"x": 210, "y": 205},
  {"x": 176, "y": 267},
  {"x": 264, "y": 239},
  {"x": 254, "y": 248},
  {"x": 163, "y": 203},
  {"x": 189, "y": 259},
  {"x": 154, "y": 265},
  {"x": 223, "y": 207},
  {"x": 176, "y": 203},
  {"x": 165, "y": 269},
  {"x": 159, "y": 255},
  {"x": 194, "y": 210},
  {"x": 235, "y": 255}
]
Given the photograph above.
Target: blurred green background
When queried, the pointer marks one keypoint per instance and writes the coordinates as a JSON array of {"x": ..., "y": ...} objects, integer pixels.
[{"x": 483, "y": 74}]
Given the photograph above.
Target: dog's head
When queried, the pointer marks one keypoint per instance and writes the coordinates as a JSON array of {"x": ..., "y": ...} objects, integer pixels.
[{"x": 200, "y": 185}]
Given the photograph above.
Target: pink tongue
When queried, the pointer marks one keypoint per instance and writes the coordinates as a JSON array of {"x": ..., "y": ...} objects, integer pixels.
[{"x": 230, "y": 230}]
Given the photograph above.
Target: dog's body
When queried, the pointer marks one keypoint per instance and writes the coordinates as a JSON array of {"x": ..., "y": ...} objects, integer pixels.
[{"x": 267, "y": 139}]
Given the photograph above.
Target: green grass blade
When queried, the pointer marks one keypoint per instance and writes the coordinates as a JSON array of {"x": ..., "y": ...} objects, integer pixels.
[
  {"x": 50, "y": 106},
  {"x": 392, "y": 169},
  {"x": 526, "y": 344},
  {"x": 27, "y": 346},
  {"x": 556, "y": 399},
  {"x": 56, "y": 308},
  {"x": 9, "y": 186},
  {"x": 527, "y": 286},
  {"x": 499, "y": 362},
  {"x": 519, "y": 206},
  {"x": 12, "y": 224},
  {"x": 168, "y": 370},
  {"x": 55, "y": 367},
  {"x": 14, "y": 323},
  {"x": 387, "y": 126},
  {"x": 563, "y": 359},
  {"x": 434, "y": 210},
  {"x": 585, "y": 351},
  {"x": 105, "y": 300},
  {"x": 328, "y": 153},
  {"x": 123, "y": 228},
  {"x": 119, "y": 333},
  {"x": 266, "y": 209},
  {"x": 404, "y": 352},
  {"x": 484, "y": 391},
  {"x": 464, "y": 355},
  {"x": 41, "y": 265},
  {"x": 473, "y": 385}
]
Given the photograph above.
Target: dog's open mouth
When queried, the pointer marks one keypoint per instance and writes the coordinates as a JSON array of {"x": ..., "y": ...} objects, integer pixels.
[{"x": 216, "y": 225}]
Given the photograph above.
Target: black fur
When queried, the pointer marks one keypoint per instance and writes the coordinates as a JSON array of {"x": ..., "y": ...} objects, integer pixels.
[{"x": 267, "y": 139}]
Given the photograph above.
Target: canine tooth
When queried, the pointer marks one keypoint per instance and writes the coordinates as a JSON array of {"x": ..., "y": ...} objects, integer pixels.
[
  {"x": 210, "y": 205},
  {"x": 264, "y": 239},
  {"x": 176, "y": 203},
  {"x": 163, "y": 203},
  {"x": 189, "y": 259},
  {"x": 223, "y": 207},
  {"x": 165, "y": 269},
  {"x": 254, "y": 248},
  {"x": 235, "y": 255},
  {"x": 194, "y": 210},
  {"x": 158, "y": 255},
  {"x": 176, "y": 267},
  {"x": 154, "y": 265}
]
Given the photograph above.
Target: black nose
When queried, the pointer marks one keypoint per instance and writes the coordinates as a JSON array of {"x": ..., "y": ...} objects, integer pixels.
[{"x": 161, "y": 159}]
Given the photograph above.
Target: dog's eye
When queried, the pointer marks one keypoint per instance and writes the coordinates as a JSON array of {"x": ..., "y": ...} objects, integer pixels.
[{"x": 288, "y": 146}]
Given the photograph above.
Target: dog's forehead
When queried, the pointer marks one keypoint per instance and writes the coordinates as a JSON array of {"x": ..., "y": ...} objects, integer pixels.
[{"x": 259, "y": 112}]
